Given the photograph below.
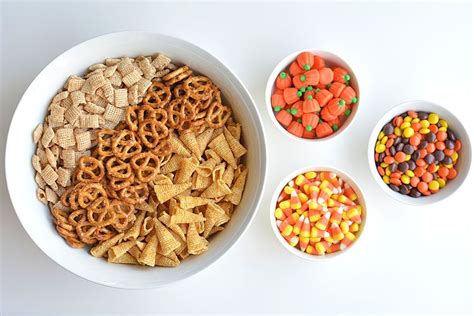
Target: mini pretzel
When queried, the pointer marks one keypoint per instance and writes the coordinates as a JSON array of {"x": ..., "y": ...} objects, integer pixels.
[
  {"x": 177, "y": 75},
  {"x": 103, "y": 233},
  {"x": 104, "y": 136},
  {"x": 199, "y": 87},
  {"x": 180, "y": 92},
  {"x": 89, "y": 193},
  {"x": 146, "y": 112},
  {"x": 118, "y": 168},
  {"x": 89, "y": 170},
  {"x": 124, "y": 215},
  {"x": 146, "y": 166},
  {"x": 134, "y": 194},
  {"x": 161, "y": 115},
  {"x": 179, "y": 110},
  {"x": 131, "y": 117},
  {"x": 85, "y": 231},
  {"x": 151, "y": 132},
  {"x": 117, "y": 184},
  {"x": 217, "y": 115},
  {"x": 100, "y": 215},
  {"x": 125, "y": 145},
  {"x": 77, "y": 217},
  {"x": 158, "y": 95},
  {"x": 162, "y": 149}
]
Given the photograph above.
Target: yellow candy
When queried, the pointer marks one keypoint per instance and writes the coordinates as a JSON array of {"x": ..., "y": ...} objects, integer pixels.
[
  {"x": 386, "y": 179},
  {"x": 443, "y": 123},
  {"x": 407, "y": 157},
  {"x": 380, "y": 148},
  {"x": 424, "y": 130},
  {"x": 441, "y": 182},
  {"x": 310, "y": 249},
  {"x": 449, "y": 166},
  {"x": 415, "y": 120},
  {"x": 397, "y": 131},
  {"x": 424, "y": 124},
  {"x": 454, "y": 156},
  {"x": 354, "y": 228},
  {"x": 284, "y": 204},
  {"x": 410, "y": 173},
  {"x": 310, "y": 175},
  {"x": 384, "y": 140},
  {"x": 433, "y": 185},
  {"x": 442, "y": 129},
  {"x": 303, "y": 197},
  {"x": 433, "y": 118},
  {"x": 384, "y": 165},
  {"x": 344, "y": 227},
  {"x": 278, "y": 213},
  {"x": 405, "y": 179},
  {"x": 287, "y": 231},
  {"x": 407, "y": 119},
  {"x": 314, "y": 239},
  {"x": 381, "y": 135},
  {"x": 299, "y": 211},
  {"x": 299, "y": 179},
  {"x": 329, "y": 239},
  {"x": 288, "y": 190},
  {"x": 408, "y": 132},
  {"x": 405, "y": 125},
  {"x": 387, "y": 171}
]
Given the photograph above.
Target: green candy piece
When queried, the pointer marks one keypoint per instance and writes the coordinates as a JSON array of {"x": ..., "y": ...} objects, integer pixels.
[
  {"x": 347, "y": 112},
  {"x": 310, "y": 97},
  {"x": 346, "y": 77},
  {"x": 283, "y": 75},
  {"x": 303, "y": 78},
  {"x": 299, "y": 120},
  {"x": 306, "y": 67},
  {"x": 342, "y": 102},
  {"x": 329, "y": 85},
  {"x": 303, "y": 89},
  {"x": 309, "y": 88},
  {"x": 335, "y": 127},
  {"x": 309, "y": 128},
  {"x": 299, "y": 93},
  {"x": 347, "y": 83},
  {"x": 277, "y": 108},
  {"x": 317, "y": 90},
  {"x": 354, "y": 100},
  {"x": 293, "y": 111},
  {"x": 320, "y": 121},
  {"x": 288, "y": 110}
]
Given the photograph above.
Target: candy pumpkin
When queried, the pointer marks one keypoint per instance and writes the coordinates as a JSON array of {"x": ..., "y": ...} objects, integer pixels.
[
  {"x": 296, "y": 129},
  {"x": 297, "y": 109},
  {"x": 349, "y": 95},
  {"x": 310, "y": 105},
  {"x": 278, "y": 100},
  {"x": 283, "y": 80},
  {"x": 295, "y": 69},
  {"x": 336, "y": 106},
  {"x": 323, "y": 96},
  {"x": 318, "y": 62},
  {"x": 312, "y": 77},
  {"x": 323, "y": 129},
  {"x": 325, "y": 75},
  {"x": 341, "y": 75},
  {"x": 309, "y": 134},
  {"x": 278, "y": 91},
  {"x": 305, "y": 60},
  {"x": 336, "y": 88},
  {"x": 291, "y": 95},
  {"x": 284, "y": 118},
  {"x": 308, "y": 93},
  {"x": 326, "y": 116},
  {"x": 310, "y": 121},
  {"x": 299, "y": 81}
]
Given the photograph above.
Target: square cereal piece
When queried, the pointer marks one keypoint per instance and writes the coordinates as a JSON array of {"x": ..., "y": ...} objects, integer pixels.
[
  {"x": 116, "y": 79},
  {"x": 37, "y": 133},
  {"x": 110, "y": 71},
  {"x": 114, "y": 114},
  {"x": 74, "y": 83},
  {"x": 132, "y": 78},
  {"x": 93, "y": 108},
  {"x": 48, "y": 135},
  {"x": 94, "y": 82},
  {"x": 64, "y": 177},
  {"x": 77, "y": 97},
  {"x": 121, "y": 98},
  {"x": 83, "y": 141},
  {"x": 147, "y": 69},
  {"x": 143, "y": 85},
  {"x": 39, "y": 180},
  {"x": 65, "y": 137},
  {"x": 60, "y": 96},
  {"x": 51, "y": 196},
  {"x": 69, "y": 158},
  {"x": 71, "y": 114},
  {"x": 161, "y": 61},
  {"x": 133, "y": 95},
  {"x": 89, "y": 121},
  {"x": 49, "y": 175},
  {"x": 125, "y": 66},
  {"x": 112, "y": 61}
]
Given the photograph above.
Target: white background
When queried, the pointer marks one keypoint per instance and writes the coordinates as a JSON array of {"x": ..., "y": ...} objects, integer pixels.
[{"x": 409, "y": 259}]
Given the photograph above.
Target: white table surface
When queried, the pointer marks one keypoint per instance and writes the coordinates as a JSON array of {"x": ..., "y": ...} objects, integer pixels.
[{"x": 409, "y": 260}]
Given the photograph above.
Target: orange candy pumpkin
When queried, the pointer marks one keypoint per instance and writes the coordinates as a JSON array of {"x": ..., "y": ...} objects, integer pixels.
[
  {"x": 349, "y": 95},
  {"x": 284, "y": 118},
  {"x": 299, "y": 81},
  {"x": 336, "y": 88},
  {"x": 310, "y": 121},
  {"x": 323, "y": 129},
  {"x": 297, "y": 109},
  {"x": 326, "y": 116},
  {"x": 310, "y": 105},
  {"x": 325, "y": 75},
  {"x": 323, "y": 96},
  {"x": 312, "y": 77},
  {"x": 336, "y": 106},
  {"x": 296, "y": 129},
  {"x": 295, "y": 69},
  {"x": 278, "y": 100},
  {"x": 341, "y": 75},
  {"x": 318, "y": 62},
  {"x": 283, "y": 80},
  {"x": 291, "y": 95},
  {"x": 305, "y": 60}
]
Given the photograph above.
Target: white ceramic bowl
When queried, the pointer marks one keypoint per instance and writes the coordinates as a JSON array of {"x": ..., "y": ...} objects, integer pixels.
[
  {"x": 273, "y": 204},
  {"x": 36, "y": 218},
  {"x": 331, "y": 60},
  {"x": 462, "y": 166}
]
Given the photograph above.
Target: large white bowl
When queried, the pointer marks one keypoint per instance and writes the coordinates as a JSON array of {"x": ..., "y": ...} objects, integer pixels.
[
  {"x": 344, "y": 176},
  {"x": 462, "y": 166},
  {"x": 36, "y": 218},
  {"x": 331, "y": 60}
]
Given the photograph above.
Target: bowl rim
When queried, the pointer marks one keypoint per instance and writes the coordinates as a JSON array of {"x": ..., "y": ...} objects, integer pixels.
[
  {"x": 291, "y": 175},
  {"x": 418, "y": 105},
  {"x": 8, "y": 159},
  {"x": 285, "y": 62}
]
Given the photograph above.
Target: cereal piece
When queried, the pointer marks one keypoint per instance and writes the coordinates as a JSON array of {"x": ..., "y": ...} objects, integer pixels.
[
  {"x": 114, "y": 114},
  {"x": 131, "y": 78},
  {"x": 51, "y": 157},
  {"x": 142, "y": 85},
  {"x": 164, "y": 192},
  {"x": 89, "y": 121},
  {"x": 115, "y": 79},
  {"x": 77, "y": 98},
  {"x": 125, "y": 66},
  {"x": 160, "y": 62},
  {"x": 121, "y": 98},
  {"x": 108, "y": 91},
  {"x": 96, "y": 66},
  {"x": 64, "y": 177},
  {"x": 51, "y": 196},
  {"x": 112, "y": 61},
  {"x": 93, "y": 108},
  {"x": 71, "y": 114},
  {"x": 148, "y": 70},
  {"x": 109, "y": 71},
  {"x": 133, "y": 95},
  {"x": 69, "y": 158},
  {"x": 49, "y": 175},
  {"x": 37, "y": 133},
  {"x": 93, "y": 83},
  {"x": 83, "y": 141},
  {"x": 74, "y": 83},
  {"x": 39, "y": 180},
  {"x": 221, "y": 147},
  {"x": 160, "y": 74},
  {"x": 56, "y": 116},
  {"x": 36, "y": 162},
  {"x": 65, "y": 137},
  {"x": 60, "y": 96},
  {"x": 171, "y": 66},
  {"x": 48, "y": 135},
  {"x": 41, "y": 195}
]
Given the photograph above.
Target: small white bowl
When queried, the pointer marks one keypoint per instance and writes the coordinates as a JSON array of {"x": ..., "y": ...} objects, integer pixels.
[
  {"x": 462, "y": 166},
  {"x": 35, "y": 217},
  {"x": 344, "y": 176},
  {"x": 332, "y": 60}
]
